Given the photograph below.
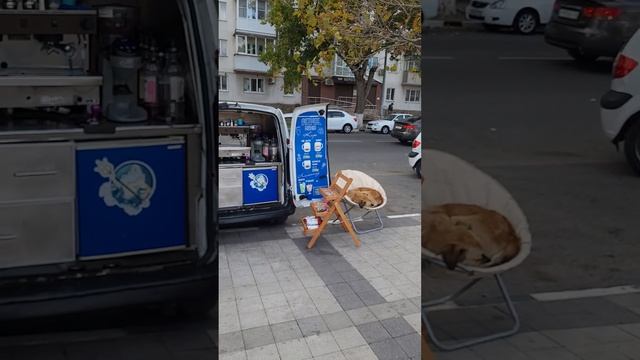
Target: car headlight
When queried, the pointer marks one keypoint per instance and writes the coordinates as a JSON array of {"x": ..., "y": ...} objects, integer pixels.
[{"x": 497, "y": 4}]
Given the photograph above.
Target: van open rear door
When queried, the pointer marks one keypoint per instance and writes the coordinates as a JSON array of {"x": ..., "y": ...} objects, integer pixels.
[{"x": 308, "y": 154}]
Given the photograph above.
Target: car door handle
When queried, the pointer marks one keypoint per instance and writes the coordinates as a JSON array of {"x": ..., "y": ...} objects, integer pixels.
[
  {"x": 8, "y": 237},
  {"x": 35, "y": 173}
]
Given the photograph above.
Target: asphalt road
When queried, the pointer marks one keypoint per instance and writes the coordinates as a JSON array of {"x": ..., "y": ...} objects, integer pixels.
[{"x": 526, "y": 114}]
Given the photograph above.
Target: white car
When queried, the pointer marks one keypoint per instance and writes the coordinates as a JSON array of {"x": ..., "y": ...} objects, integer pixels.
[
  {"x": 385, "y": 124},
  {"x": 339, "y": 120},
  {"x": 523, "y": 15},
  {"x": 415, "y": 156},
  {"x": 620, "y": 106}
]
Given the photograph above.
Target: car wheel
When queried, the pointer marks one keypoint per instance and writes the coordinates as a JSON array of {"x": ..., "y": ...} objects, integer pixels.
[
  {"x": 385, "y": 130},
  {"x": 418, "y": 168},
  {"x": 580, "y": 56},
  {"x": 347, "y": 129},
  {"x": 526, "y": 22},
  {"x": 632, "y": 146}
]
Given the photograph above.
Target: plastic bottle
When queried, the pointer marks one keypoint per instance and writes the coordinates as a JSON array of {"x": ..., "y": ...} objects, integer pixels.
[
  {"x": 151, "y": 100},
  {"x": 172, "y": 84}
]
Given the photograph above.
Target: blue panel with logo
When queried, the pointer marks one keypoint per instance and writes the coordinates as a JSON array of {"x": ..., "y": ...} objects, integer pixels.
[
  {"x": 312, "y": 164},
  {"x": 130, "y": 198},
  {"x": 260, "y": 185}
]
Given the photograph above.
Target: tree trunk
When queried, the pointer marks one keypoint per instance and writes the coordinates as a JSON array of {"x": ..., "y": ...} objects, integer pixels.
[
  {"x": 447, "y": 7},
  {"x": 363, "y": 88}
]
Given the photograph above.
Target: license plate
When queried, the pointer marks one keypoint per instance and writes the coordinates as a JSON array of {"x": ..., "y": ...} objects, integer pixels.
[
  {"x": 568, "y": 14},
  {"x": 398, "y": 127}
]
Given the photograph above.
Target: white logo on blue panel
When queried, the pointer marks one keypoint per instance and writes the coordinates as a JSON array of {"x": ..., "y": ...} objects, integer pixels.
[
  {"x": 130, "y": 185},
  {"x": 258, "y": 181}
]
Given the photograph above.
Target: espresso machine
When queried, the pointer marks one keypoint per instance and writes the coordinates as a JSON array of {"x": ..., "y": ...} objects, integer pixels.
[
  {"x": 45, "y": 60},
  {"x": 120, "y": 62}
]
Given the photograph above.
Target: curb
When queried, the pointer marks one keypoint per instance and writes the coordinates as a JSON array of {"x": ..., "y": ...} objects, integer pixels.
[{"x": 455, "y": 24}]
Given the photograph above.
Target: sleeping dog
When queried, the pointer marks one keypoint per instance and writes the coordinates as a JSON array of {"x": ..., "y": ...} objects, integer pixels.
[
  {"x": 365, "y": 197},
  {"x": 469, "y": 234}
]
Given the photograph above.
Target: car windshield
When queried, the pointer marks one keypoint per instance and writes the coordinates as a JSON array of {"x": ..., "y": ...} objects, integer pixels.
[{"x": 389, "y": 117}]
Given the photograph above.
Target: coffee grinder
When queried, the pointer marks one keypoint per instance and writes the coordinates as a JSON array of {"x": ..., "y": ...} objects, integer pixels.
[{"x": 120, "y": 62}]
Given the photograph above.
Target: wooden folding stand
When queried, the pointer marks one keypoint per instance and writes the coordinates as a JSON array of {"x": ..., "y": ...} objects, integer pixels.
[{"x": 332, "y": 196}]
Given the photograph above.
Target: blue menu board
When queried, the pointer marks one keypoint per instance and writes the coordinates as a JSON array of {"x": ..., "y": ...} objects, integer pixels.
[{"x": 312, "y": 165}]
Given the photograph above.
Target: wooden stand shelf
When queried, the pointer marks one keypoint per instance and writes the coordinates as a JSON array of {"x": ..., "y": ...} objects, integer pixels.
[{"x": 331, "y": 205}]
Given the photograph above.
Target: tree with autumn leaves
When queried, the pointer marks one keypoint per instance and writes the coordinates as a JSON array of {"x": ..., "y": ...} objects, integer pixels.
[{"x": 312, "y": 32}]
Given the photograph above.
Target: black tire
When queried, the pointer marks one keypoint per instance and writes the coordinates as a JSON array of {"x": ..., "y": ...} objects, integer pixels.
[
  {"x": 347, "y": 129},
  {"x": 632, "y": 146},
  {"x": 582, "y": 57},
  {"x": 526, "y": 22},
  {"x": 404, "y": 142},
  {"x": 418, "y": 169},
  {"x": 385, "y": 130}
]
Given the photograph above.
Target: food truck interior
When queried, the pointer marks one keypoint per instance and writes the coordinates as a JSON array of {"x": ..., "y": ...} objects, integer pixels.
[
  {"x": 252, "y": 169},
  {"x": 101, "y": 136}
]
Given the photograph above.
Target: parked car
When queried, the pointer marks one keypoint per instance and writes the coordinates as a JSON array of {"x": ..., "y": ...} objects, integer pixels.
[
  {"x": 524, "y": 16},
  {"x": 339, "y": 120},
  {"x": 407, "y": 130},
  {"x": 620, "y": 106},
  {"x": 589, "y": 29},
  {"x": 385, "y": 124},
  {"x": 415, "y": 155}
]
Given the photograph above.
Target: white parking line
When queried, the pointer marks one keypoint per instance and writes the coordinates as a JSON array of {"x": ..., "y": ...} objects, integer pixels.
[
  {"x": 403, "y": 216},
  {"x": 345, "y": 141},
  {"x": 586, "y": 293},
  {"x": 536, "y": 58}
]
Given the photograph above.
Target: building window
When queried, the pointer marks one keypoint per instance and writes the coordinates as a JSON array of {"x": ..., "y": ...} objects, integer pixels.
[
  {"x": 253, "y": 85},
  {"x": 412, "y": 95},
  {"x": 253, "y": 9},
  {"x": 412, "y": 64},
  {"x": 251, "y": 45},
  {"x": 341, "y": 68},
  {"x": 222, "y": 10},
  {"x": 223, "y": 84},
  {"x": 391, "y": 94},
  {"x": 223, "y": 47},
  {"x": 288, "y": 92},
  {"x": 242, "y": 44}
]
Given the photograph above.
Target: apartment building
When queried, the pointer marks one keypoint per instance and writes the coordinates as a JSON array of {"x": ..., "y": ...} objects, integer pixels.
[
  {"x": 398, "y": 84},
  {"x": 243, "y": 37},
  {"x": 243, "y": 77}
]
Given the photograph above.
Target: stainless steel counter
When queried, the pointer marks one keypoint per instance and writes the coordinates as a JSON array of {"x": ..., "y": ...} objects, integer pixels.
[{"x": 15, "y": 132}]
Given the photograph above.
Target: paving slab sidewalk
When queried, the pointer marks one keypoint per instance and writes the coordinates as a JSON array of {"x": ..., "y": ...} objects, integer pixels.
[
  {"x": 601, "y": 328},
  {"x": 280, "y": 300}
]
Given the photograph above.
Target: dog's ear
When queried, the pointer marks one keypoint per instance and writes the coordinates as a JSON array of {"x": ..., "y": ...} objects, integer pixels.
[{"x": 453, "y": 255}]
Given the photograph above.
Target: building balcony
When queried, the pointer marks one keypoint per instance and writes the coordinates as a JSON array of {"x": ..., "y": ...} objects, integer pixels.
[
  {"x": 254, "y": 26},
  {"x": 410, "y": 78},
  {"x": 248, "y": 63}
]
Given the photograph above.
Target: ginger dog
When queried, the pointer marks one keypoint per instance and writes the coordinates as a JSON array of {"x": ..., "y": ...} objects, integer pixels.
[
  {"x": 469, "y": 234},
  {"x": 365, "y": 197}
]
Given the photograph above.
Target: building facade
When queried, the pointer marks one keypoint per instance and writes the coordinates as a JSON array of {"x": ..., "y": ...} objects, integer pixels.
[
  {"x": 243, "y": 37},
  {"x": 243, "y": 77},
  {"x": 398, "y": 83}
]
